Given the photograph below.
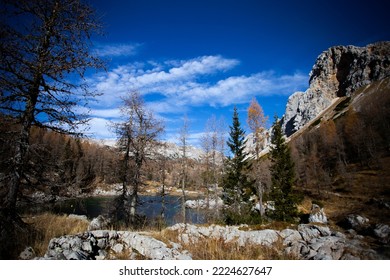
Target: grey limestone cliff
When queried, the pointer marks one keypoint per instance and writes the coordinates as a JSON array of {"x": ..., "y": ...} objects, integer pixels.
[{"x": 337, "y": 72}]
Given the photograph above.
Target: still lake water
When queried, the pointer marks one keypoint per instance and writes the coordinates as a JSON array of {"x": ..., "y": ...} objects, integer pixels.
[{"x": 150, "y": 206}]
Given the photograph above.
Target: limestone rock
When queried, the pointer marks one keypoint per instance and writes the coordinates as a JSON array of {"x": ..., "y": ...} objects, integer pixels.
[
  {"x": 337, "y": 72},
  {"x": 100, "y": 222},
  {"x": 203, "y": 204},
  {"x": 118, "y": 248},
  {"x": 382, "y": 231},
  {"x": 265, "y": 237},
  {"x": 95, "y": 244},
  {"x": 27, "y": 254},
  {"x": 329, "y": 247},
  {"x": 317, "y": 215},
  {"x": 356, "y": 222},
  {"x": 290, "y": 236},
  {"x": 308, "y": 232},
  {"x": 192, "y": 233},
  {"x": 309, "y": 241}
]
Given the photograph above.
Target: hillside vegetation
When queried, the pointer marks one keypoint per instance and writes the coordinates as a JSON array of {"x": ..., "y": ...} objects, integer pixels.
[
  {"x": 343, "y": 156},
  {"x": 338, "y": 158}
]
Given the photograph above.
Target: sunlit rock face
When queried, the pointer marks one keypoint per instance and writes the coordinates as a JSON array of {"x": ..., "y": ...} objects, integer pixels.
[{"x": 337, "y": 72}]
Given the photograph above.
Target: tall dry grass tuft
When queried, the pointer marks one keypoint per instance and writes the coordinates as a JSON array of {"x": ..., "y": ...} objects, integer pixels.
[
  {"x": 217, "y": 249},
  {"x": 48, "y": 226}
]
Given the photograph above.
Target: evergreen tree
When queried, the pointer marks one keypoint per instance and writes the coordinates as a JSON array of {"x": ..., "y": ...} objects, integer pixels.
[
  {"x": 237, "y": 186},
  {"x": 282, "y": 177}
]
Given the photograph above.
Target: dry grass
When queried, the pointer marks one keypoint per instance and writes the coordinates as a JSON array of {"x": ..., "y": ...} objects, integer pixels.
[
  {"x": 275, "y": 225},
  {"x": 48, "y": 226},
  {"x": 166, "y": 236},
  {"x": 357, "y": 191},
  {"x": 125, "y": 255},
  {"x": 217, "y": 249}
]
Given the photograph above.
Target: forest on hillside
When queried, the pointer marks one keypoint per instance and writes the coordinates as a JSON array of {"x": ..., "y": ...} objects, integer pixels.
[
  {"x": 341, "y": 161},
  {"x": 326, "y": 158}
]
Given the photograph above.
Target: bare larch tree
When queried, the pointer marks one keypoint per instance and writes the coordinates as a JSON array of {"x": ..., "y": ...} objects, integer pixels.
[
  {"x": 257, "y": 121},
  {"x": 44, "y": 46},
  {"x": 137, "y": 136},
  {"x": 183, "y": 143}
]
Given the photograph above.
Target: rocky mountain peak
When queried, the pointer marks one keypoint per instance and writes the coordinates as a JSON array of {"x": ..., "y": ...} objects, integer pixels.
[{"x": 337, "y": 72}]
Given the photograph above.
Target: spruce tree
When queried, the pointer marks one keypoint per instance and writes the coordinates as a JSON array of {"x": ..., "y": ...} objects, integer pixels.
[
  {"x": 237, "y": 186},
  {"x": 282, "y": 177}
]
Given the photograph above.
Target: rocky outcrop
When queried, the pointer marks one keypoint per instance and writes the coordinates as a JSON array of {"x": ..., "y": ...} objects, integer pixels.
[
  {"x": 108, "y": 244},
  {"x": 100, "y": 222},
  {"x": 355, "y": 222},
  {"x": 337, "y": 72},
  {"x": 193, "y": 234},
  {"x": 309, "y": 241},
  {"x": 317, "y": 215},
  {"x": 204, "y": 204},
  {"x": 382, "y": 232},
  {"x": 27, "y": 254}
]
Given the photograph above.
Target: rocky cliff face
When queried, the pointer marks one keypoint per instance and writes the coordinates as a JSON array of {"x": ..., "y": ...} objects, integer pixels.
[{"x": 338, "y": 72}]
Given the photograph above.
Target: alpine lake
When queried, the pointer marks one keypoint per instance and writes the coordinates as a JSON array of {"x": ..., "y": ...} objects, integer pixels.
[{"x": 150, "y": 206}]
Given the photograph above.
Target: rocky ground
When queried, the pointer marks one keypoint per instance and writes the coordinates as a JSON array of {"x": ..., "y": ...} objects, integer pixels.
[{"x": 358, "y": 239}]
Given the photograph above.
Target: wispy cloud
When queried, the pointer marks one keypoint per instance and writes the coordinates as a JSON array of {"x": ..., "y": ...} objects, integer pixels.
[
  {"x": 167, "y": 78},
  {"x": 111, "y": 114},
  {"x": 99, "y": 128},
  {"x": 177, "y": 85},
  {"x": 190, "y": 83},
  {"x": 238, "y": 89},
  {"x": 116, "y": 50}
]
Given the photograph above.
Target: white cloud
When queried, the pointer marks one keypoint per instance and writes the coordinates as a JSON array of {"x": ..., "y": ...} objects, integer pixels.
[
  {"x": 99, "y": 129},
  {"x": 185, "y": 72},
  {"x": 174, "y": 86},
  {"x": 155, "y": 77},
  {"x": 237, "y": 89},
  {"x": 160, "y": 107},
  {"x": 116, "y": 50},
  {"x": 183, "y": 84},
  {"x": 112, "y": 114}
]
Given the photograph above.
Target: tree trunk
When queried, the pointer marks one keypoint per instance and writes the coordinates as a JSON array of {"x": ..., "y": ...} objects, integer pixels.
[
  {"x": 162, "y": 214},
  {"x": 134, "y": 193},
  {"x": 183, "y": 200},
  {"x": 26, "y": 123},
  {"x": 260, "y": 194},
  {"x": 11, "y": 225},
  {"x": 133, "y": 207},
  {"x": 163, "y": 201},
  {"x": 21, "y": 151}
]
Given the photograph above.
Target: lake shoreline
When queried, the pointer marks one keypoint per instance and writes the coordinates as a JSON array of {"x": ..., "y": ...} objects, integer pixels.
[
  {"x": 40, "y": 197},
  {"x": 150, "y": 206}
]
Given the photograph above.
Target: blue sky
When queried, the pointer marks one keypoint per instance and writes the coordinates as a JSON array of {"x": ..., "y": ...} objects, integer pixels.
[{"x": 201, "y": 58}]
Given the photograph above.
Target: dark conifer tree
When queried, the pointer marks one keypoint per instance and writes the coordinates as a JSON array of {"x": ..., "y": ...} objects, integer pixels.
[
  {"x": 282, "y": 177},
  {"x": 237, "y": 186}
]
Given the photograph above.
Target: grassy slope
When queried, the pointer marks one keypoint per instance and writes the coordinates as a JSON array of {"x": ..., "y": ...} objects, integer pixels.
[{"x": 364, "y": 188}]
